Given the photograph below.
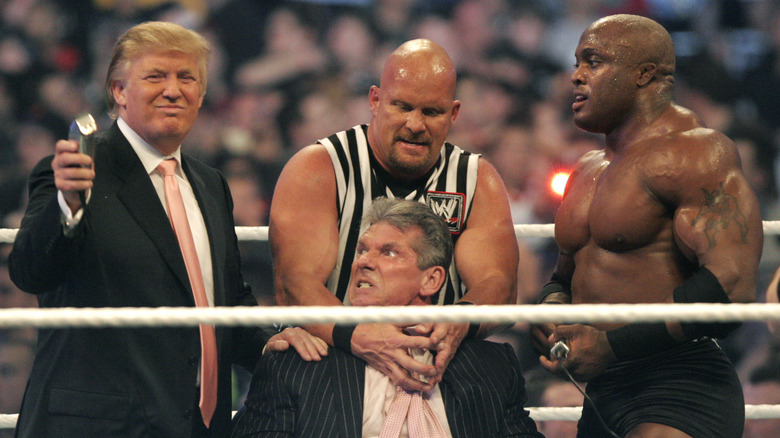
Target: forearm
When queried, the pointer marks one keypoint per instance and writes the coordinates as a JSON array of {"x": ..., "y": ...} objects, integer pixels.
[
  {"x": 302, "y": 292},
  {"x": 642, "y": 339},
  {"x": 41, "y": 254},
  {"x": 493, "y": 291}
]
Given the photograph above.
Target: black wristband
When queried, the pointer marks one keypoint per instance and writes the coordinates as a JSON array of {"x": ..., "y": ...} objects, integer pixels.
[
  {"x": 701, "y": 287},
  {"x": 342, "y": 336},
  {"x": 636, "y": 340},
  {"x": 704, "y": 287},
  {"x": 474, "y": 326},
  {"x": 556, "y": 285}
]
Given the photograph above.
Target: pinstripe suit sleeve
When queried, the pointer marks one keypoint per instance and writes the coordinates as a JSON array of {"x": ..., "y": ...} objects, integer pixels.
[
  {"x": 270, "y": 409},
  {"x": 517, "y": 422}
]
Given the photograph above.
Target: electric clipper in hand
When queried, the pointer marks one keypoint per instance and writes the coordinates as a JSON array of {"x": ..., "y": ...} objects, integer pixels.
[
  {"x": 83, "y": 130},
  {"x": 560, "y": 350}
]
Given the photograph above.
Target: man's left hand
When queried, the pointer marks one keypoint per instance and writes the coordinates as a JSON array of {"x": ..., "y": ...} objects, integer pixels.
[
  {"x": 590, "y": 353},
  {"x": 308, "y": 346},
  {"x": 447, "y": 338}
]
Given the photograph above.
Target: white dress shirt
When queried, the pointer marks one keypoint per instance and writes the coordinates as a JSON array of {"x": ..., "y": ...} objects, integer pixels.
[{"x": 380, "y": 393}]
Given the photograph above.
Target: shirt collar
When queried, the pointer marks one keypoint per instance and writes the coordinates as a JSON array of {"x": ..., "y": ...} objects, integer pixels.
[{"x": 149, "y": 156}]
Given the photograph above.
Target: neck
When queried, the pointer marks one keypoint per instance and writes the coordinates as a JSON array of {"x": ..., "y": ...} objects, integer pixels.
[{"x": 647, "y": 121}]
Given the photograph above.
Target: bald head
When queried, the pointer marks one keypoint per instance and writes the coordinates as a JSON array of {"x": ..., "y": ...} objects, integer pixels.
[
  {"x": 422, "y": 61},
  {"x": 639, "y": 39}
]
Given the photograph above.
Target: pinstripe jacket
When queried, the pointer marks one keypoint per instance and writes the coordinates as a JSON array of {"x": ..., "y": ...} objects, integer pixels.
[{"x": 483, "y": 391}]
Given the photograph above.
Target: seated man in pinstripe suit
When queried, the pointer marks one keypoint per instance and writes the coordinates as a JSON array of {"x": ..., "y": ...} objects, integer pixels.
[{"x": 400, "y": 261}]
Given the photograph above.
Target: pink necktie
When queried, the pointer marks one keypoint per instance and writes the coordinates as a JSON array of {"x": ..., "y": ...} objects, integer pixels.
[
  {"x": 423, "y": 422},
  {"x": 208, "y": 341}
]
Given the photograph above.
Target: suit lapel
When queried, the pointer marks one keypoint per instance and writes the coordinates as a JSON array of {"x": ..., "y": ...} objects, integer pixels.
[{"x": 139, "y": 197}]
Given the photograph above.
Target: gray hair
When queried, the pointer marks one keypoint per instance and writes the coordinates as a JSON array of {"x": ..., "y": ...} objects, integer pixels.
[
  {"x": 435, "y": 248},
  {"x": 150, "y": 37}
]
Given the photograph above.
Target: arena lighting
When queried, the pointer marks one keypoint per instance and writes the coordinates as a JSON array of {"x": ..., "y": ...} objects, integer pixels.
[{"x": 558, "y": 182}]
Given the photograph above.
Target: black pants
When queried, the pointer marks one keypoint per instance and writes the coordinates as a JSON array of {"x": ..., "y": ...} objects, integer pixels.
[{"x": 692, "y": 387}]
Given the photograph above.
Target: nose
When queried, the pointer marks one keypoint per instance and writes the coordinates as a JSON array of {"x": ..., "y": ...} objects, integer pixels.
[
  {"x": 365, "y": 260},
  {"x": 171, "y": 89},
  {"x": 415, "y": 121},
  {"x": 577, "y": 76}
]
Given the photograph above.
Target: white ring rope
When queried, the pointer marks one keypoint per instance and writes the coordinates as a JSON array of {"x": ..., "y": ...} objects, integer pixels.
[
  {"x": 7, "y": 235},
  {"x": 752, "y": 412},
  {"x": 168, "y": 316},
  {"x": 301, "y": 315}
]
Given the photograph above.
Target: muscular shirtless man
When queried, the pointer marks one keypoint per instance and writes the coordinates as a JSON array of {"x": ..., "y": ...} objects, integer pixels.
[{"x": 663, "y": 214}]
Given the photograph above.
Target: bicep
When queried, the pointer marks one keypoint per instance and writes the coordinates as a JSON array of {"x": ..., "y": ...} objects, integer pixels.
[
  {"x": 486, "y": 253},
  {"x": 718, "y": 225},
  {"x": 303, "y": 228}
]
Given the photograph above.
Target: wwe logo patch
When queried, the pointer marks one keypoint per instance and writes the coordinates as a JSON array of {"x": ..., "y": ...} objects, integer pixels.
[{"x": 450, "y": 206}]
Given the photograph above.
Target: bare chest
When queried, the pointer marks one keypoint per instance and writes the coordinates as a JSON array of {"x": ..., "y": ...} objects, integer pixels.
[{"x": 610, "y": 205}]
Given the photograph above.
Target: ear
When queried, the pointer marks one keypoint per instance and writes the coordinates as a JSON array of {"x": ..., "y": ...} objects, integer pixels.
[
  {"x": 118, "y": 91},
  {"x": 455, "y": 110},
  {"x": 432, "y": 281},
  {"x": 373, "y": 99},
  {"x": 647, "y": 71}
]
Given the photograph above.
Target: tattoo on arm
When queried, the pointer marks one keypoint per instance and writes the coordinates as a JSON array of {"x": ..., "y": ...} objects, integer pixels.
[{"x": 719, "y": 210}]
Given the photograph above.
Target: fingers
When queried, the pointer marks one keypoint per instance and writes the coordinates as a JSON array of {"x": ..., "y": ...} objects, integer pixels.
[
  {"x": 449, "y": 332},
  {"x": 276, "y": 345},
  {"x": 73, "y": 171},
  {"x": 410, "y": 384},
  {"x": 421, "y": 329},
  {"x": 550, "y": 365},
  {"x": 385, "y": 347},
  {"x": 403, "y": 376},
  {"x": 540, "y": 334},
  {"x": 308, "y": 346}
]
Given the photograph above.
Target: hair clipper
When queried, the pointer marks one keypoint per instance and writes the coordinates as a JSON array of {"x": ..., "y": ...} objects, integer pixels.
[{"x": 83, "y": 130}]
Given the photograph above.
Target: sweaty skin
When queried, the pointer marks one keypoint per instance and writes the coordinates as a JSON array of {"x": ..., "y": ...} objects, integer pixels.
[{"x": 664, "y": 198}]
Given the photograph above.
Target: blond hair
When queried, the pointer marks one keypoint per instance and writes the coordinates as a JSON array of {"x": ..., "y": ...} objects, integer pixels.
[{"x": 152, "y": 37}]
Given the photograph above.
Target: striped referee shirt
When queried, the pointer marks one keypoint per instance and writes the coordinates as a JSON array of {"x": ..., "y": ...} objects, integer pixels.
[{"x": 448, "y": 189}]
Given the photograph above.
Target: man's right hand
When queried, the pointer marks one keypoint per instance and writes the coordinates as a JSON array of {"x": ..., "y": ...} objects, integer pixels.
[
  {"x": 540, "y": 334},
  {"x": 384, "y": 347},
  {"x": 73, "y": 172}
]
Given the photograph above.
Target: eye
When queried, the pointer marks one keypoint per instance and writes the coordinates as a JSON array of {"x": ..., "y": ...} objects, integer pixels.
[
  {"x": 390, "y": 252},
  {"x": 403, "y": 106}
]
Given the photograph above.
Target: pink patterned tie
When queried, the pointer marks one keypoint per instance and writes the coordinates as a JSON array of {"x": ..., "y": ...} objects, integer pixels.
[
  {"x": 423, "y": 422},
  {"x": 208, "y": 340}
]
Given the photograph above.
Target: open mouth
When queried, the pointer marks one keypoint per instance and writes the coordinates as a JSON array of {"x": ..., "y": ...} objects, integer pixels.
[{"x": 579, "y": 99}]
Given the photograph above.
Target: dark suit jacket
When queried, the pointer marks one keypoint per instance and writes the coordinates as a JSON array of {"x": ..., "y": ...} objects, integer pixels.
[
  {"x": 112, "y": 382},
  {"x": 483, "y": 391}
]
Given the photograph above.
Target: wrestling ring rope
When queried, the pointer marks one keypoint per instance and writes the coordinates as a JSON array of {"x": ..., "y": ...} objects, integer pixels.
[{"x": 167, "y": 316}]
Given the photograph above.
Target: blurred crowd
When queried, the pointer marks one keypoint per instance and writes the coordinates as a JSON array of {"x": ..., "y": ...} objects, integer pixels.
[{"x": 285, "y": 73}]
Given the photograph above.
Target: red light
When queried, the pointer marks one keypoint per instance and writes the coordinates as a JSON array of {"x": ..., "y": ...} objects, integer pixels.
[{"x": 558, "y": 183}]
